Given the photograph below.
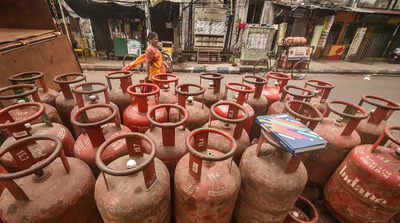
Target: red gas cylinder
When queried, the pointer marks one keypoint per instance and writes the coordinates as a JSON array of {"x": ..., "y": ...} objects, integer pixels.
[
  {"x": 27, "y": 92},
  {"x": 46, "y": 94},
  {"x": 168, "y": 136},
  {"x": 302, "y": 212},
  {"x": 242, "y": 93},
  {"x": 91, "y": 90},
  {"x": 167, "y": 92},
  {"x": 22, "y": 127},
  {"x": 272, "y": 180},
  {"x": 396, "y": 218},
  {"x": 207, "y": 182},
  {"x": 256, "y": 101},
  {"x": 65, "y": 101},
  {"x": 119, "y": 95},
  {"x": 134, "y": 187},
  {"x": 341, "y": 138},
  {"x": 135, "y": 115},
  {"x": 370, "y": 129},
  {"x": 322, "y": 89},
  {"x": 290, "y": 92},
  {"x": 46, "y": 189},
  {"x": 366, "y": 186},
  {"x": 96, "y": 132},
  {"x": 233, "y": 124},
  {"x": 213, "y": 90},
  {"x": 198, "y": 113},
  {"x": 274, "y": 92}
]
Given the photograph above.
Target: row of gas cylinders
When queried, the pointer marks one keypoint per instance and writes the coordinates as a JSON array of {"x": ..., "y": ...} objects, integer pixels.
[{"x": 192, "y": 143}]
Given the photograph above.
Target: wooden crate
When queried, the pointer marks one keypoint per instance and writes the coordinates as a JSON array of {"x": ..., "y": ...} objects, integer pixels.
[{"x": 208, "y": 56}]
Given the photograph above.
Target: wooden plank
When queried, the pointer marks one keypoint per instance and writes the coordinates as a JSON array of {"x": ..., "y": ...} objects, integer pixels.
[
  {"x": 11, "y": 34},
  {"x": 52, "y": 57},
  {"x": 25, "y": 14}
]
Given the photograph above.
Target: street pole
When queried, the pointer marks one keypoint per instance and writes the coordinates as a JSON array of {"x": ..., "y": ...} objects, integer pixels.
[
  {"x": 147, "y": 14},
  {"x": 63, "y": 17}
]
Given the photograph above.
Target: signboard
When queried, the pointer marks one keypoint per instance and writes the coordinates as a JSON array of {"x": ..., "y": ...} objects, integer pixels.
[
  {"x": 134, "y": 47},
  {"x": 299, "y": 53},
  {"x": 257, "y": 42}
]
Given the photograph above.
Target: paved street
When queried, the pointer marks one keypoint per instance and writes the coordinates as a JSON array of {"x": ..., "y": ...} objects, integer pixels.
[{"x": 348, "y": 87}]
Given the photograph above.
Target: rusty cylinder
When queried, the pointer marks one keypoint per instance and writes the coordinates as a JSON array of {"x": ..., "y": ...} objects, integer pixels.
[
  {"x": 198, "y": 113},
  {"x": 212, "y": 93},
  {"x": 167, "y": 92},
  {"x": 241, "y": 93},
  {"x": 303, "y": 212},
  {"x": 22, "y": 93},
  {"x": 274, "y": 92},
  {"x": 87, "y": 94},
  {"x": 96, "y": 132},
  {"x": 256, "y": 101},
  {"x": 370, "y": 129},
  {"x": 207, "y": 182},
  {"x": 135, "y": 115},
  {"x": 46, "y": 190},
  {"x": 290, "y": 92},
  {"x": 285, "y": 174},
  {"x": 65, "y": 100},
  {"x": 119, "y": 95},
  {"x": 134, "y": 187},
  {"x": 169, "y": 136},
  {"x": 21, "y": 128},
  {"x": 232, "y": 124},
  {"x": 272, "y": 179},
  {"x": 341, "y": 137},
  {"x": 366, "y": 186},
  {"x": 46, "y": 95},
  {"x": 322, "y": 90}
]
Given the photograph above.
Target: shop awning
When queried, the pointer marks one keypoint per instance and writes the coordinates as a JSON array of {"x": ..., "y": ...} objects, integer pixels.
[
  {"x": 133, "y": 2},
  {"x": 107, "y": 8}
]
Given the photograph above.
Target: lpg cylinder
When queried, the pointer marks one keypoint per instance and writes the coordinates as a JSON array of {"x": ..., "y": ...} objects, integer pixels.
[
  {"x": 65, "y": 100},
  {"x": 294, "y": 93},
  {"x": 273, "y": 92},
  {"x": 370, "y": 129},
  {"x": 198, "y": 113},
  {"x": 167, "y": 92},
  {"x": 233, "y": 125},
  {"x": 135, "y": 115},
  {"x": 46, "y": 190},
  {"x": 396, "y": 218},
  {"x": 258, "y": 103},
  {"x": 23, "y": 127},
  {"x": 302, "y": 212},
  {"x": 91, "y": 90},
  {"x": 242, "y": 93},
  {"x": 212, "y": 93},
  {"x": 168, "y": 136},
  {"x": 27, "y": 92},
  {"x": 134, "y": 187},
  {"x": 366, "y": 186},
  {"x": 96, "y": 132},
  {"x": 322, "y": 89},
  {"x": 46, "y": 94},
  {"x": 119, "y": 95},
  {"x": 341, "y": 138},
  {"x": 207, "y": 182},
  {"x": 272, "y": 180}
]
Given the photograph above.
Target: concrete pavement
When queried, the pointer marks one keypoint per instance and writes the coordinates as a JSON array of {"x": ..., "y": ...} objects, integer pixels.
[
  {"x": 348, "y": 87},
  {"x": 316, "y": 66}
]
